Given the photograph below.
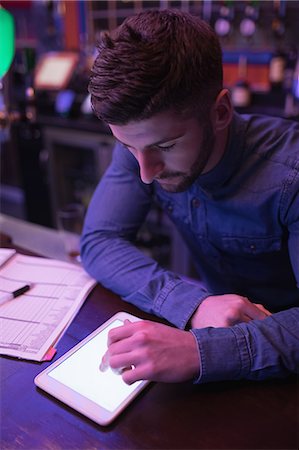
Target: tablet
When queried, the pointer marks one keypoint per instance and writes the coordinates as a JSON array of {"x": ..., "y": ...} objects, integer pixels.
[{"x": 76, "y": 378}]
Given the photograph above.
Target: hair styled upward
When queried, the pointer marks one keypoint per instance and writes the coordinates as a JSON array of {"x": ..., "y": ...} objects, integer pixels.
[{"x": 156, "y": 61}]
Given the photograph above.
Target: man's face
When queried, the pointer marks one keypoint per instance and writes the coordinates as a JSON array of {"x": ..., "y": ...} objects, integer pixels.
[{"x": 170, "y": 150}]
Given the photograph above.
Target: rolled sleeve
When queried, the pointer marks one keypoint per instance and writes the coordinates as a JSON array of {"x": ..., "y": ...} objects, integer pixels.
[
  {"x": 224, "y": 354},
  {"x": 177, "y": 302},
  {"x": 256, "y": 350}
]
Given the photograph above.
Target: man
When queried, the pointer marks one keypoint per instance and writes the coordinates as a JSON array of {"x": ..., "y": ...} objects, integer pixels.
[{"x": 231, "y": 186}]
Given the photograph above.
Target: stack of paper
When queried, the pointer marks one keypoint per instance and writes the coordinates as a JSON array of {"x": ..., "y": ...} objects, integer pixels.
[{"x": 32, "y": 324}]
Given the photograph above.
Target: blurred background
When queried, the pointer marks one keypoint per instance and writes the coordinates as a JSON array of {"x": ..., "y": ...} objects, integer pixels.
[{"x": 54, "y": 152}]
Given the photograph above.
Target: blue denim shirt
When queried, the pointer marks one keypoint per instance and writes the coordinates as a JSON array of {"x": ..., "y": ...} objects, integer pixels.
[{"x": 241, "y": 223}]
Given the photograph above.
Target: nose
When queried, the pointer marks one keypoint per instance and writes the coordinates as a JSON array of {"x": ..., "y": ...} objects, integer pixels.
[{"x": 150, "y": 164}]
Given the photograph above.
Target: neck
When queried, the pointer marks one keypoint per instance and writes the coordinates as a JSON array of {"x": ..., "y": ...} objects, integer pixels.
[{"x": 219, "y": 148}]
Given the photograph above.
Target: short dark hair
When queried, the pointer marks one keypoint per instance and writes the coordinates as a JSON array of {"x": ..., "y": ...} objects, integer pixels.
[{"x": 153, "y": 62}]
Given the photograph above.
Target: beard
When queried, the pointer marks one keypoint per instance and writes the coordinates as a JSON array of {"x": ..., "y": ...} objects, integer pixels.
[{"x": 186, "y": 179}]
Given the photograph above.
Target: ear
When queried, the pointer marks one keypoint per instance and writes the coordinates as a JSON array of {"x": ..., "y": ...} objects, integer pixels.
[{"x": 222, "y": 111}]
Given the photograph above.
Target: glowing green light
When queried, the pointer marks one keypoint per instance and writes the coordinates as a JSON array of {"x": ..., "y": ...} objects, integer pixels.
[{"x": 7, "y": 41}]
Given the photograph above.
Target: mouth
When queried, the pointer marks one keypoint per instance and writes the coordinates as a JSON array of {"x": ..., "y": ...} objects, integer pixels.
[
  {"x": 169, "y": 180},
  {"x": 166, "y": 183}
]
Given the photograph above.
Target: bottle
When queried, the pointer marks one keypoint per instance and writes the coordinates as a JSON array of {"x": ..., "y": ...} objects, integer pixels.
[
  {"x": 241, "y": 93},
  {"x": 290, "y": 64},
  {"x": 276, "y": 70},
  {"x": 291, "y": 106},
  {"x": 223, "y": 25},
  {"x": 248, "y": 24},
  {"x": 30, "y": 110},
  {"x": 278, "y": 22}
]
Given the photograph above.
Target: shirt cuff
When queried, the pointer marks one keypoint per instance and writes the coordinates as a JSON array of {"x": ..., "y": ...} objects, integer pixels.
[
  {"x": 178, "y": 301},
  {"x": 224, "y": 354}
]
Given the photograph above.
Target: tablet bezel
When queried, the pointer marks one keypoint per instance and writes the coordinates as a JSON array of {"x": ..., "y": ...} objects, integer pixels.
[{"x": 74, "y": 399}]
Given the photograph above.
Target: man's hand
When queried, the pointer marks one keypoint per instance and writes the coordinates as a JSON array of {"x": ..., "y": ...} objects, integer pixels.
[
  {"x": 227, "y": 310},
  {"x": 152, "y": 351}
]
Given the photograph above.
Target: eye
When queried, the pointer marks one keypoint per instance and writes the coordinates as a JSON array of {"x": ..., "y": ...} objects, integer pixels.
[{"x": 165, "y": 148}]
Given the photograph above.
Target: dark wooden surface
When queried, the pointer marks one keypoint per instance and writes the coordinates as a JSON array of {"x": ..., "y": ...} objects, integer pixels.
[{"x": 228, "y": 415}]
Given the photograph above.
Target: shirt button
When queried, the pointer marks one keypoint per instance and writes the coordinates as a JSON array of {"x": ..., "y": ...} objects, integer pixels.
[
  {"x": 195, "y": 202},
  {"x": 252, "y": 247},
  {"x": 170, "y": 208}
]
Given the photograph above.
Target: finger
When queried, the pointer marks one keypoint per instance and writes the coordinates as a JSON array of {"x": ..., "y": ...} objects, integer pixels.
[
  {"x": 118, "y": 333},
  {"x": 132, "y": 375},
  {"x": 252, "y": 311},
  {"x": 262, "y": 308},
  {"x": 245, "y": 318},
  {"x": 104, "y": 364},
  {"x": 121, "y": 370},
  {"x": 121, "y": 361}
]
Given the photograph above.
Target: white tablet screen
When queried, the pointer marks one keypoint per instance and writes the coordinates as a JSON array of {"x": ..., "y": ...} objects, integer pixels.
[{"x": 81, "y": 373}]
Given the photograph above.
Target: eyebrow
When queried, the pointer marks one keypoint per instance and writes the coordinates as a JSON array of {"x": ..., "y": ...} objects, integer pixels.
[{"x": 162, "y": 141}]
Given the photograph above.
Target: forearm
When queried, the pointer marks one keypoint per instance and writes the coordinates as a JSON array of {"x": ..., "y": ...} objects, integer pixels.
[
  {"x": 256, "y": 350},
  {"x": 118, "y": 265}
]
